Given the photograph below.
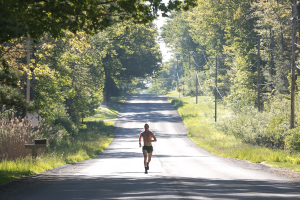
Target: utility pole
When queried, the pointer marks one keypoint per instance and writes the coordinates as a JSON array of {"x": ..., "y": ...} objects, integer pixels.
[
  {"x": 258, "y": 38},
  {"x": 196, "y": 68},
  {"x": 196, "y": 87},
  {"x": 272, "y": 54},
  {"x": 196, "y": 76},
  {"x": 28, "y": 62},
  {"x": 196, "y": 81},
  {"x": 33, "y": 79},
  {"x": 174, "y": 75},
  {"x": 182, "y": 64},
  {"x": 216, "y": 82},
  {"x": 258, "y": 72},
  {"x": 293, "y": 64},
  {"x": 177, "y": 72},
  {"x": 258, "y": 68},
  {"x": 189, "y": 60}
]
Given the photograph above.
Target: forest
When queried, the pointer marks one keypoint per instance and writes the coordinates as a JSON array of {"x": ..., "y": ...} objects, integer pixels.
[
  {"x": 240, "y": 52},
  {"x": 61, "y": 59}
]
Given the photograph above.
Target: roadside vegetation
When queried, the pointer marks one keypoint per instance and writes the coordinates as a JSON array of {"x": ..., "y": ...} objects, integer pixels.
[
  {"x": 215, "y": 55},
  {"x": 108, "y": 112},
  {"x": 61, "y": 73},
  {"x": 221, "y": 139},
  {"x": 86, "y": 142}
]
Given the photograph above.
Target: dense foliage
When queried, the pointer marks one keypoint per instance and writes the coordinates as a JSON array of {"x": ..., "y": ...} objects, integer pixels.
[
  {"x": 77, "y": 48},
  {"x": 22, "y": 17},
  {"x": 217, "y": 34},
  {"x": 68, "y": 57},
  {"x": 68, "y": 75}
]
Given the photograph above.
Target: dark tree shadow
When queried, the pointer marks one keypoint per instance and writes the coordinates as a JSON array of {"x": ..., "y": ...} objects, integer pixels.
[{"x": 84, "y": 187}]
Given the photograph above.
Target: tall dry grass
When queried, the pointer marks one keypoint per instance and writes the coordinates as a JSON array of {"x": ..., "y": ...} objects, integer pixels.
[{"x": 16, "y": 132}]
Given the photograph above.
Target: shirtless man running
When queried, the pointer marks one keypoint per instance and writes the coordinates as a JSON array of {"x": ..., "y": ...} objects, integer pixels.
[{"x": 148, "y": 137}]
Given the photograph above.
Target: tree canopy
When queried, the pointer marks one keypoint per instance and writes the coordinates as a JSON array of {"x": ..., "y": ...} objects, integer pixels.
[
  {"x": 71, "y": 72},
  {"x": 30, "y": 17},
  {"x": 219, "y": 29},
  {"x": 218, "y": 42}
]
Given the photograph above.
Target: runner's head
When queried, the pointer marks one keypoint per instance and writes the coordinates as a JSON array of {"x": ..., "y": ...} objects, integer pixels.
[{"x": 146, "y": 126}]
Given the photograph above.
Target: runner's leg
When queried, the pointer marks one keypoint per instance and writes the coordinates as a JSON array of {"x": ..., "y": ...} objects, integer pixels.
[
  {"x": 149, "y": 158},
  {"x": 145, "y": 160}
]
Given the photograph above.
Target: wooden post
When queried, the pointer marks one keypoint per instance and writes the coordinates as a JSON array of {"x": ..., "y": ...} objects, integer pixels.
[
  {"x": 177, "y": 71},
  {"x": 189, "y": 60},
  {"x": 258, "y": 38},
  {"x": 293, "y": 64},
  {"x": 272, "y": 54},
  {"x": 216, "y": 82},
  {"x": 258, "y": 72},
  {"x": 28, "y": 62},
  {"x": 196, "y": 81},
  {"x": 196, "y": 87}
]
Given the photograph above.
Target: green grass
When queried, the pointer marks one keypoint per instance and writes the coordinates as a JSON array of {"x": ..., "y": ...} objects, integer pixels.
[
  {"x": 10, "y": 170},
  {"x": 106, "y": 113},
  {"x": 85, "y": 146},
  {"x": 103, "y": 114},
  {"x": 174, "y": 93},
  {"x": 202, "y": 129},
  {"x": 93, "y": 137},
  {"x": 117, "y": 101}
]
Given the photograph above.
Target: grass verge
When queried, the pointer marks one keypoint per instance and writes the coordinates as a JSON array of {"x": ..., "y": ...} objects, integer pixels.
[
  {"x": 93, "y": 137},
  {"x": 108, "y": 112},
  {"x": 202, "y": 129},
  {"x": 104, "y": 113}
]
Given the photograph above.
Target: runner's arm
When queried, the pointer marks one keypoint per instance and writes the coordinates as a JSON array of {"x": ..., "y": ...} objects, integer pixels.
[
  {"x": 154, "y": 138},
  {"x": 140, "y": 138}
]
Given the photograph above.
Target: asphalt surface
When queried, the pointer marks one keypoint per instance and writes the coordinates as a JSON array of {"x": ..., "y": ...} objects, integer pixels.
[{"x": 179, "y": 168}]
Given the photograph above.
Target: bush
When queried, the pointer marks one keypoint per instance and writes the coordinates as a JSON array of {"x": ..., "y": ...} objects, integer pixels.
[
  {"x": 293, "y": 140},
  {"x": 176, "y": 102},
  {"x": 67, "y": 124},
  {"x": 268, "y": 128}
]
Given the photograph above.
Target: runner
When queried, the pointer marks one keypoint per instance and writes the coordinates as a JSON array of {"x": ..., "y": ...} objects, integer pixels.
[{"x": 148, "y": 137}]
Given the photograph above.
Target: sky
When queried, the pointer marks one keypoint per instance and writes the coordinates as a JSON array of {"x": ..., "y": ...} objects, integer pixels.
[{"x": 165, "y": 50}]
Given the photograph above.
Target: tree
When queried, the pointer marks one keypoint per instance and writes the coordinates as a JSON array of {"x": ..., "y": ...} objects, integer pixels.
[
  {"x": 9, "y": 78},
  {"x": 136, "y": 55},
  {"x": 67, "y": 74},
  {"x": 273, "y": 19},
  {"x": 165, "y": 81},
  {"x": 20, "y": 18},
  {"x": 176, "y": 33}
]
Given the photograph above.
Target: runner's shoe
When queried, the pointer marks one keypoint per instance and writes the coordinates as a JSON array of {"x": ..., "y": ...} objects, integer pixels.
[
  {"x": 146, "y": 170},
  {"x": 147, "y": 166}
]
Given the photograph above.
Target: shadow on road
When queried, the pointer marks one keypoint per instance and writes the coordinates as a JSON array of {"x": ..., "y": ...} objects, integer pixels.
[
  {"x": 133, "y": 134},
  {"x": 133, "y": 113},
  {"x": 160, "y": 188}
]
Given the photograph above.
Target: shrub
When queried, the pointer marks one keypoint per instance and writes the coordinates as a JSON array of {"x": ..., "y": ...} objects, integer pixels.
[
  {"x": 268, "y": 128},
  {"x": 176, "y": 102},
  {"x": 293, "y": 140},
  {"x": 67, "y": 124}
]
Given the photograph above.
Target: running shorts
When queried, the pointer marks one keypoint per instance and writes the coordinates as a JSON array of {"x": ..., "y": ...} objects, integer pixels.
[{"x": 149, "y": 149}]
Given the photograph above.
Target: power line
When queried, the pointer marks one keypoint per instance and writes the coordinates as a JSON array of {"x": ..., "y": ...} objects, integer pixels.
[{"x": 220, "y": 94}]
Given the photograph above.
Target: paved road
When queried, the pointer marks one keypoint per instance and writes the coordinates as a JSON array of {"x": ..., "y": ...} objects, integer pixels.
[{"x": 179, "y": 168}]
